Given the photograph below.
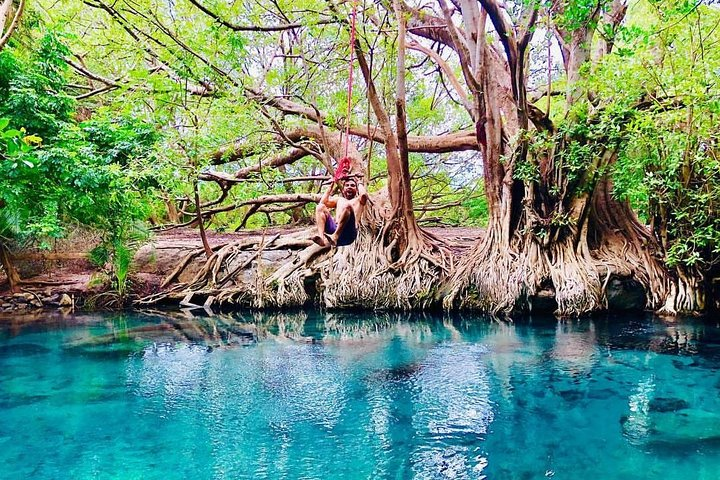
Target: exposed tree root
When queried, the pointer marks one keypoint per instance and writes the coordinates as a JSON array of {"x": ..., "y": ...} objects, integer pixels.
[
  {"x": 227, "y": 277},
  {"x": 575, "y": 270},
  {"x": 366, "y": 274},
  {"x": 499, "y": 279},
  {"x": 496, "y": 280},
  {"x": 361, "y": 275}
]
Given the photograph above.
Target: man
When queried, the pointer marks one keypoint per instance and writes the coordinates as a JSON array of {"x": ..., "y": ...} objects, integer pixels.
[{"x": 341, "y": 230}]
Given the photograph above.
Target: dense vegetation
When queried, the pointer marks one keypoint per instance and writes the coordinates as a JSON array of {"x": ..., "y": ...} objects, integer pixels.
[{"x": 582, "y": 134}]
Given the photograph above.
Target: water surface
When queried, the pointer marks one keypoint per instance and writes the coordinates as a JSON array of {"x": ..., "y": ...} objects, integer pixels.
[{"x": 318, "y": 395}]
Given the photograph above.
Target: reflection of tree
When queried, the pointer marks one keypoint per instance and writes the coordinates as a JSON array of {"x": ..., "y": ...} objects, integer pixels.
[
  {"x": 278, "y": 325},
  {"x": 575, "y": 348},
  {"x": 412, "y": 327},
  {"x": 678, "y": 338},
  {"x": 504, "y": 343}
]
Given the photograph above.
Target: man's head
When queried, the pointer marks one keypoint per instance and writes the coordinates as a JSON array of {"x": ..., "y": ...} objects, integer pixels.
[{"x": 350, "y": 189}]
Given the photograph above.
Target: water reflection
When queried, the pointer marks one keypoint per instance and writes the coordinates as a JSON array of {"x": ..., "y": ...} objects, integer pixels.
[
  {"x": 575, "y": 349},
  {"x": 310, "y": 394}
]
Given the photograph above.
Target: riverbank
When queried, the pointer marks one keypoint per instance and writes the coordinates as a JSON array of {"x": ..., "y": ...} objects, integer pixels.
[
  {"x": 172, "y": 269},
  {"x": 64, "y": 277}
]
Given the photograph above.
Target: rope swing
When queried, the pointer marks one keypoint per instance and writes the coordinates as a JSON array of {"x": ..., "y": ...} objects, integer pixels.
[{"x": 343, "y": 166}]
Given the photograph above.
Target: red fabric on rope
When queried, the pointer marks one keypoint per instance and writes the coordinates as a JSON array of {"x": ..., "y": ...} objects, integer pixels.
[{"x": 343, "y": 168}]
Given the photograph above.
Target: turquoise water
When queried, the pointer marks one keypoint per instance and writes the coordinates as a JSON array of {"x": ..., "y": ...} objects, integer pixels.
[{"x": 314, "y": 395}]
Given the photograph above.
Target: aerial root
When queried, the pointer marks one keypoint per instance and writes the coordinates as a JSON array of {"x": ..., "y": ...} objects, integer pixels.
[
  {"x": 363, "y": 277},
  {"x": 504, "y": 280}
]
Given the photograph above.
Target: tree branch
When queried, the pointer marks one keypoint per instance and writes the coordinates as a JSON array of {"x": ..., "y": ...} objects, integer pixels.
[
  {"x": 254, "y": 28},
  {"x": 446, "y": 70},
  {"x": 13, "y": 25},
  {"x": 265, "y": 200}
]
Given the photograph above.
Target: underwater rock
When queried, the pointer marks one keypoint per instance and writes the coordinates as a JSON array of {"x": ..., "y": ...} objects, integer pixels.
[
  {"x": 602, "y": 394},
  {"x": 571, "y": 395},
  {"x": 679, "y": 430},
  {"x": 663, "y": 405}
]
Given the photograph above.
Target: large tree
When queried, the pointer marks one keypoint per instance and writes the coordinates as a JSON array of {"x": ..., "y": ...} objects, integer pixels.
[
  {"x": 554, "y": 223},
  {"x": 549, "y": 140}
]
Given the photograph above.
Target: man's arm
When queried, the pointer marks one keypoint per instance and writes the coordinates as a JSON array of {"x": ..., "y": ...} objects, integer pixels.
[
  {"x": 362, "y": 191},
  {"x": 326, "y": 199}
]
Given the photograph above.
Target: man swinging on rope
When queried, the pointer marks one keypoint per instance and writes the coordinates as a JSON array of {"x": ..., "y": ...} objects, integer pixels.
[{"x": 341, "y": 230}]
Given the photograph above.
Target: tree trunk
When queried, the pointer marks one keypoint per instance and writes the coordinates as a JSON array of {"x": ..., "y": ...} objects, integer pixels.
[
  {"x": 10, "y": 271},
  {"x": 393, "y": 264},
  {"x": 200, "y": 223}
]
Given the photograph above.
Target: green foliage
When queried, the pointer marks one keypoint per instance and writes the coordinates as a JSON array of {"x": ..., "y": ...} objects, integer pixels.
[
  {"x": 578, "y": 13},
  {"x": 669, "y": 167},
  {"x": 477, "y": 211},
  {"x": 32, "y": 87},
  {"x": 79, "y": 173},
  {"x": 672, "y": 176}
]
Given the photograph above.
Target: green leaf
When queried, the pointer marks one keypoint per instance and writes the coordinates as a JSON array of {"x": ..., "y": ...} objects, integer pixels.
[{"x": 12, "y": 133}]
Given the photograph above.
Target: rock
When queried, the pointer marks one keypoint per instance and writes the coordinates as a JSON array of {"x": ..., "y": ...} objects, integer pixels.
[
  {"x": 36, "y": 303},
  {"x": 65, "y": 300},
  {"x": 572, "y": 395},
  {"x": 6, "y": 305},
  {"x": 23, "y": 297},
  {"x": 662, "y": 404}
]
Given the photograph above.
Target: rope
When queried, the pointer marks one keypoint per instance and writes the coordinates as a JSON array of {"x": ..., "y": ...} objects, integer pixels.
[
  {"x": 350, "y": 77},
  {"x": 344, "y": 164}
]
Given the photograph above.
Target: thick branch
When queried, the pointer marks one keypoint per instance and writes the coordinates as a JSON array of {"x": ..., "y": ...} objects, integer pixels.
[
  {"x": 243, "y": 150},
  {"x": 13, "y": 25},
  {"x": 265, "y": 200},
  {"x": 464, "y": 140},
  {"x": 446, "y": 70}
]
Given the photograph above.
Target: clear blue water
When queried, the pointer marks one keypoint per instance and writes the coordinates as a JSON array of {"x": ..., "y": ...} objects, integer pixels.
[{"x": 313, "y": 395}]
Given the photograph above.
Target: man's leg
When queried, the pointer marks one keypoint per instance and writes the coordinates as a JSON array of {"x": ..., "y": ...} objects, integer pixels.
[
  {"x": 343, "y": 216},
  {"x": 321, "y": 215}
]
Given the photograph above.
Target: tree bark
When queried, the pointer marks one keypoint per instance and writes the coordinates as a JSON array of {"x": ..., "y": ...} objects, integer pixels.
[
  {"x": 200, "y": 222},
  {"x": 14, "y": 24},
  {"x": 11, "y": 273}
]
